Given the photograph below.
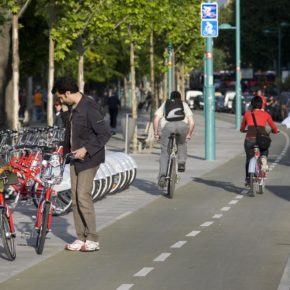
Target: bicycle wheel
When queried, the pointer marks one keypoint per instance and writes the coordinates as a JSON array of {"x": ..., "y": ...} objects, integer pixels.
[
  {"x": 7, "y": 236},
  {"x": 61, "y": 203},
  {"x": 42, "y": 231},
  {"x": 172, "y": 178},
  {"x": 252, "y": 185}
]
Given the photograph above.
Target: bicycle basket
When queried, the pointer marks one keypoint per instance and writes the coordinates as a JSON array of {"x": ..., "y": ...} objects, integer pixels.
[{"x": 52, "y": 168}]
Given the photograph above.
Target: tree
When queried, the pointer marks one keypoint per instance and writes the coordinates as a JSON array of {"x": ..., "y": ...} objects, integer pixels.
[{"x": 15, "y": 11}]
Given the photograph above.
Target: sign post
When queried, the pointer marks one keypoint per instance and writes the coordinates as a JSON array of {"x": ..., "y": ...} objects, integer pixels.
[{"x": 209, "y": 29}]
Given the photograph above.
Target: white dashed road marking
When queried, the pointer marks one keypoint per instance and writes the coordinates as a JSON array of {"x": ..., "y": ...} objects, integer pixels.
[
  {"x": 178, "y": 244},
  {"x": 207, "y": 224},
  {"x": 226, "y": 208},
  {"x": 193, "y": 234},
  {"x": 217, "y": 216},
  {"x": 144, "y": 272},
  {"x": 162, "y": 257},
  {"x": 125, "y": 287}
]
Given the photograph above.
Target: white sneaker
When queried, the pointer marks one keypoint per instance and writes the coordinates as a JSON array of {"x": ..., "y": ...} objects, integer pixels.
[
  {"x": 90, "y": 246},
  {"x": 75, "y": 246}
]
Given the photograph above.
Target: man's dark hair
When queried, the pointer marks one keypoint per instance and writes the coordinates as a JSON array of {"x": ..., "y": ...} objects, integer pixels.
[
  {"x": 65, "y": 84},
  {"x": 175, "y": 95},
  {"x": 256, "y": 102}
]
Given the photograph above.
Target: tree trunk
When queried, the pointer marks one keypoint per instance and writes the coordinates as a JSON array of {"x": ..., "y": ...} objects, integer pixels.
[
  {"x": 177, "y": 77},
  {"x": 81, "y": 81},
  {"x": 5, "y": 67},
  {"x": 133, "y": 81},
  {"x": 173, "y": 71},
  {"x": 182, "y": 82},
  {"x": 125, "y": 93},
  {"x": 165, "y": 86},
  {"x": 81, "y": 78},
  {"x": 154, "y": 96},
  {"x": 15, "y": 69},
  {"x": 50, "y": 82},
  {"x": 133, "y": 90}
]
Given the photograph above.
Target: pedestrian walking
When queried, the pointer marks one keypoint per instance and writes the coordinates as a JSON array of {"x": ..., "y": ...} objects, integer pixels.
[
  {"x": 38, "y": 103},
  {"x": 113, "y": 107},
  {"x": 88, "y": 135}
]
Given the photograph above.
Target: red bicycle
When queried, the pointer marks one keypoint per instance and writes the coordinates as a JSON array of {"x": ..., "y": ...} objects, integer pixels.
[
  {"x": 7, "y": 229},
  {"x": 44, "y": 170},
  {"x": 51, "y": 173}
]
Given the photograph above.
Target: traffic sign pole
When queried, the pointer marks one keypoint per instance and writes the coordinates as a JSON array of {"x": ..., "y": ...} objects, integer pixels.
[
  {"x": 209, "y": 29},
  {"x": 210, "y": 138},
  {"x": 238, "y": 68}
]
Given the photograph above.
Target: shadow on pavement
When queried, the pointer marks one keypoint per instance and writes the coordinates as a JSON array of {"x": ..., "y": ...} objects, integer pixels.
[
  {"x": 281, "y": 191},
  {"x": 147, "y": 186},
  {"x": 228, "y": 186},
  {"x": 59, "y": 228},
  {"x": 195, "y": 157}
]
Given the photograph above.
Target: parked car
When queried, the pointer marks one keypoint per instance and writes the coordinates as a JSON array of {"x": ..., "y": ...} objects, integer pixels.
[
  {"x": 190, "y": 103},
  {"x": 219, "y": 103},
  {"x": 199, "y": 102},
  {"x": 245, "y": 103},
  {"x": 229, "y": 98},
  {"x": 190, "y": 98},
  {"x": 192, "y": 93}
]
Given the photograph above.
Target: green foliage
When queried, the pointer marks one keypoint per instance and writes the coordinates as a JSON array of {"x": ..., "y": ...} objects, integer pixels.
[
  {"x": 106, "y": 28},
  {"x": 13, "y": 6}
]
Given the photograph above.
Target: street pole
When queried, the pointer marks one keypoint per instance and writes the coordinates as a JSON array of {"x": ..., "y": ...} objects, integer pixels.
[
  {"x": 279, "y": 77},
  {"x": 209, "y": 103},
  {"x": 238, "y": 67},
  {"x": 169, "y": 69}
]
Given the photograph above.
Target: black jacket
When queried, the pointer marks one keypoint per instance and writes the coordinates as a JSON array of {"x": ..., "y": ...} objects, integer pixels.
[{"x": 89, "y": 130}]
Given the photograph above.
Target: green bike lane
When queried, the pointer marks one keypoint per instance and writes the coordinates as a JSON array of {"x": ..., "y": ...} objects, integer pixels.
[{"x": 209, "y": 236}]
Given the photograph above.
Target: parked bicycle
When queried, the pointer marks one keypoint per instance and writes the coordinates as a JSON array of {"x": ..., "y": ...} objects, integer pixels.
[
  {"x": 7, "y": 229},
  {"x": 51, "y": 174}
]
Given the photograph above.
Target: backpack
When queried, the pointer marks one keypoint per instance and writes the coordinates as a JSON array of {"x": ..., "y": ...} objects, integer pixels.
[
  {"x": 263, "y": 139},
  {"x": 174, "y": 110}
]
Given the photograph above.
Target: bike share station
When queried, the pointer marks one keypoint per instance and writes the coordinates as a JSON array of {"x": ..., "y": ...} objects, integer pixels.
[{"x": 42, "y": 178}]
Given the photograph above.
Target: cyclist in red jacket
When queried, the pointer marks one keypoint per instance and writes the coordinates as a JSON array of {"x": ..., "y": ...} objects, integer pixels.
[{"x": 262, "y": 118}]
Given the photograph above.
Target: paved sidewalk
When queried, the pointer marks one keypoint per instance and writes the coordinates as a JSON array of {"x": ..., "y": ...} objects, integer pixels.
[{"x": 229, "y": 143}]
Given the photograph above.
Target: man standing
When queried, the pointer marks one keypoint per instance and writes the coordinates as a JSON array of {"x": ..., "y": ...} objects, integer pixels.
[
  {"x": 88, "y": 135},
  {"x": 175, "y": 117}
]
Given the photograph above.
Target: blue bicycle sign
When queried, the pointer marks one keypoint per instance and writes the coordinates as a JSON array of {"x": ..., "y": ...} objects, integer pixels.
[{"x": 209, "y": 28}]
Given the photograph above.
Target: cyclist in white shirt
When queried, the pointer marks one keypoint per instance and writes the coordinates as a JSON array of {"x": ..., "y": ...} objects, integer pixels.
[{"x": 181, "y": 124}]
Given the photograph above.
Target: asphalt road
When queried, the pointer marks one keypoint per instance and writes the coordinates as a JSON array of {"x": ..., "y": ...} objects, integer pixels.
[{"x": 210, "y": 236}]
